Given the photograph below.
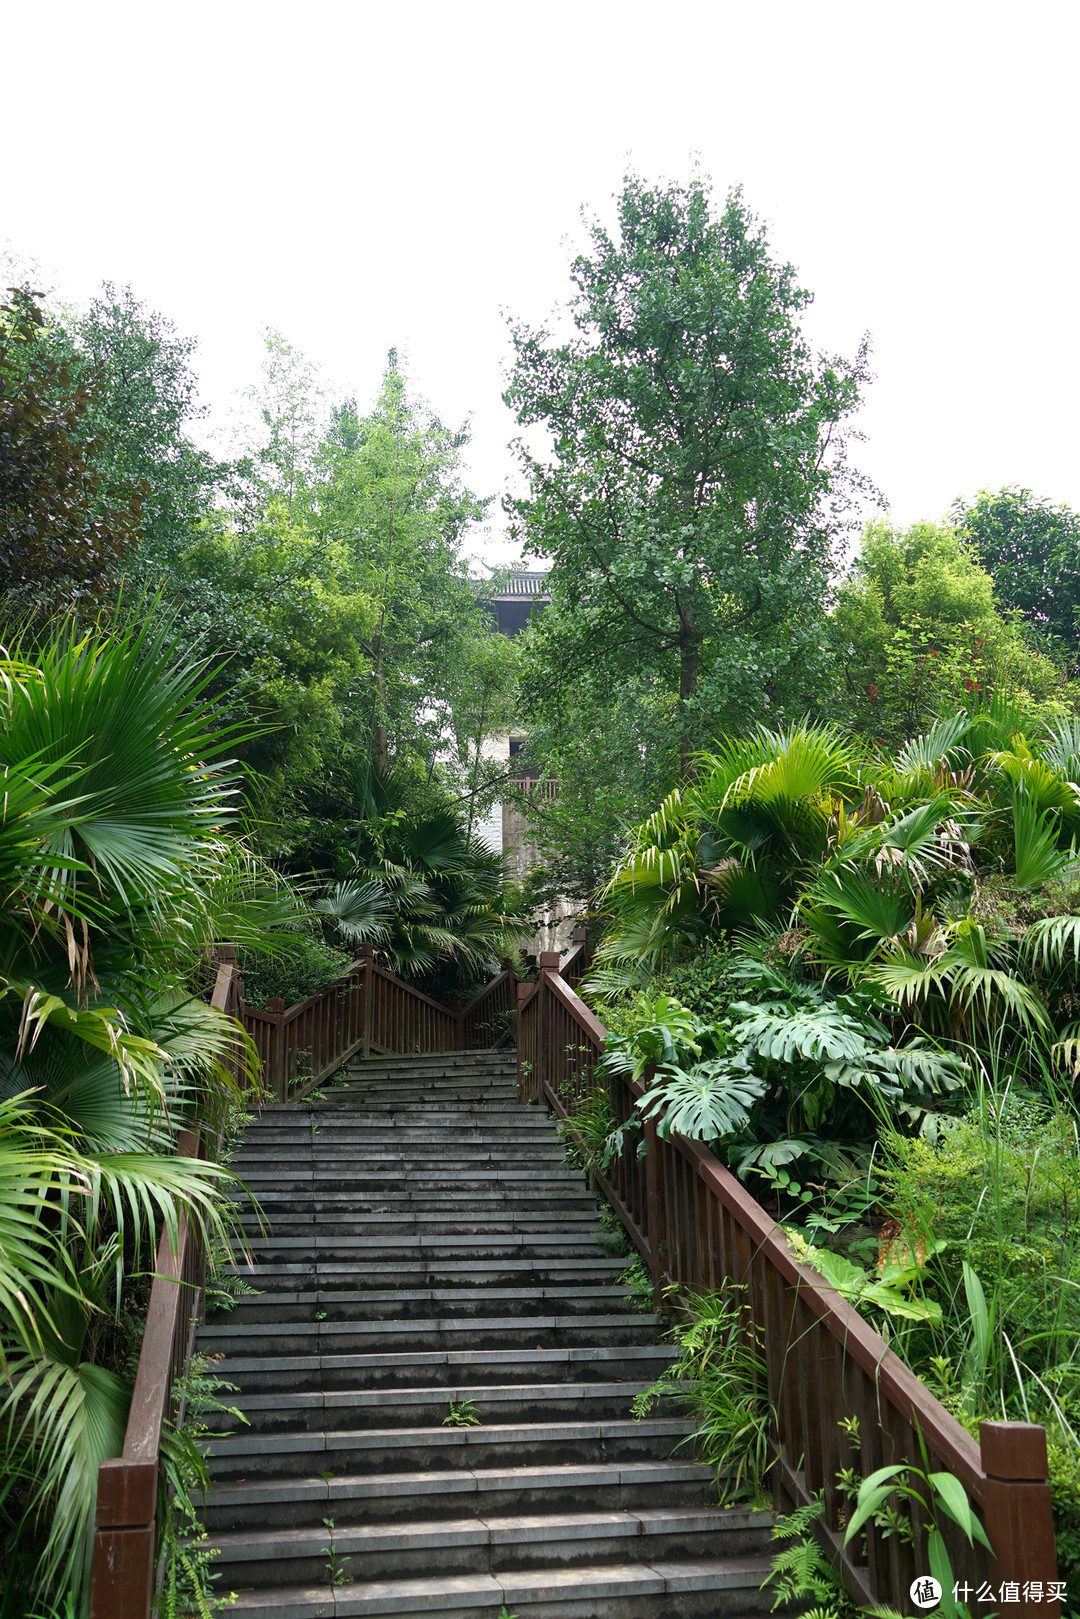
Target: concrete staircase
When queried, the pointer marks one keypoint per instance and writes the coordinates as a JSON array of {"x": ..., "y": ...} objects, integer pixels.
[{"x": 432, "y": 1252}]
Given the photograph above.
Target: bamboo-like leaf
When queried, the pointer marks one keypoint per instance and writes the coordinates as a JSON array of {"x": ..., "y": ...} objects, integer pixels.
[
  {"x": 952, "y": 1499},
  {"x": 873, "y": 1491}
]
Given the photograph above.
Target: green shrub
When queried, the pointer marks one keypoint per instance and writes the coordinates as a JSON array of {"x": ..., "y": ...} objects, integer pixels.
[
  {"x": 704, "y": 983},
  {"x": 1065, "y": 1493},
  {"x": 719, "y": 1378},
  {"x": 309, "y": 967},
  {"x": 1004, "y": 1195}
]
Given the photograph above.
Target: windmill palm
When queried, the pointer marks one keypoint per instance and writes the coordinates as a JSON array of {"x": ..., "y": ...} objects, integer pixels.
[
  {"x": 729, "y": 850},
  {"x": 431, "y": 898},
  {"x": 116, "y": 864}
]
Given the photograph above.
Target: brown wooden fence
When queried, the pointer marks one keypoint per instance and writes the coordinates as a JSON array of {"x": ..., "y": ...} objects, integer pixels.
[
  {"x": 697, "y": 1227},
  {"x": 126, "y": 1527},
  {"x": 369, "y": 1009}
]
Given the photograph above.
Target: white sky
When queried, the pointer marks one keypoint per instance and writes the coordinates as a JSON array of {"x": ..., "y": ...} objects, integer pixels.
[{"x": 364, "y": 175}]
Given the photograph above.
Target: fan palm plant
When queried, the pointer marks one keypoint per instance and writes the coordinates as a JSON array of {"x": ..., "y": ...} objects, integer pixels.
[
  {"x": 730, "y": 849},
  {"x": 430, "y": 897},
  {"x": 115, "y": 853}
]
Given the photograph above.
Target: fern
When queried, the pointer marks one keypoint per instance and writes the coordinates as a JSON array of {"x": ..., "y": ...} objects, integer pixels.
[{"x": 803, "y": 1571}]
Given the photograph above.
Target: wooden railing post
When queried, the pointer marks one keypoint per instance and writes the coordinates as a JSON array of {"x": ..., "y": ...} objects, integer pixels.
[
  {"x": 125, "y": 1540},
  {"x": 276, "y": 1075},
  {"x": 549, "y": 967},
  {"x": 524, "y": 991},
  {"x": 367, "y": 996},
  {"x": 125, "y": 1529},
  {"x": 1018, "y": 1514}
]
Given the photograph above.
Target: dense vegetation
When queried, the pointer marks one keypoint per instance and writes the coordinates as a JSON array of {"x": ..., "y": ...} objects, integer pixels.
[{"x": 819, "y": 800}]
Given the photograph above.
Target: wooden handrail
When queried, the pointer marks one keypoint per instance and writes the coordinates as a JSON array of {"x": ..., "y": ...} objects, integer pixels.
[
  {"x": 124, "y": 1556},
  {"x": 411, "y": 990},
  {"x": 698, "y": 1228},
  {"x": 486, "y": 993}
]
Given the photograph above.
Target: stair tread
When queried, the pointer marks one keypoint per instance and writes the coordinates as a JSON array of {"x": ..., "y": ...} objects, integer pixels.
[
  {"x": 524, "y": 1585},
  {"x": 445, "y": 1437},
  {"x": 436, "y": 1481},
  {"x": 490, "y": 1529}
]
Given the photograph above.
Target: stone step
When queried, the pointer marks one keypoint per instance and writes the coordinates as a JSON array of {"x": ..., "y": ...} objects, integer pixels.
[
  {"x": 326, "y": 1159},
  {"x": 492, "y": 1545},
  {"x": 425, "y": 1254},
  {"x": 320, "y": 1411},
  {"x": 404, "y": 1130},
  {"x": 450, "y": 1368},
  {"x": 486, "y": 1234},
  {"x": 424, "y": 1303},
  {"x": 432, "y": 1333},
  {"x": 356, "y": 1167},
  {"x": 530, "y": 1241},
  {"x": 363, "y": 1451},
  {"x": 709, "y": 1588},
  {"x": 469, "y": 1187},
  {"x": 260, "y": 1502},
  {"x": 481, "y": 1203},
  {"x": 426, "y": 1061},
  {"x": 487, "y": 1215},
  {"x": 429, "y": 1273}
]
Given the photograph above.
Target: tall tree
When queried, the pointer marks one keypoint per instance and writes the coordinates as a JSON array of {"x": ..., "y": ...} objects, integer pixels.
[
  {"x": 61, "y": 525},
  {"x": 392, "y": 494},
  {"x": 697, "y": 477},
  {"x": 918, "y": 631},
  {"x": 143, "y": 407},
  {"x": 1032, "y": 550}
]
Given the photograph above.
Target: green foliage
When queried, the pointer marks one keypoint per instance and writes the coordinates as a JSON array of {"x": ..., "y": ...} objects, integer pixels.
[
  {"x": 461, "y": 1414},
  {"x": 719, "y": 1376},
  {"x": 116, "y": 873},
  {"x": 939, "y": 1495},
  {"x": 888, "y": 1288},
  {"x": 1064, "y": 1466},
  {"x": 431, "y": 897},
  {"x": 998, "y": 1191},
  {"x": 187, "y": 1563},
  {"x": 801, "y": 1571},
  {"x": 143, "y": 403},
  {"x": 310, "y": 965},
  {"x": 60, "y": 531},
  {"x": 728, "y": 851},
  {"x": 690, "y": 502},
  {"x": 918, "y": 630},
  {"x": 798, "y": 1077},
  {"x": 636, "y": 1279},
  {"x": 1032, "y": 551}
]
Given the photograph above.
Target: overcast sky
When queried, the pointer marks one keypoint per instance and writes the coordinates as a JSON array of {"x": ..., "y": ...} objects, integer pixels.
[{"x": 365, "y": 176}]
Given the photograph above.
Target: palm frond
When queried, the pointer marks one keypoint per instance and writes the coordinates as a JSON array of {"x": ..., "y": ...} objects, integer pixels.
[
  {"x": 62, "y": 1422},
  {"x": 1037, "y": 858}
]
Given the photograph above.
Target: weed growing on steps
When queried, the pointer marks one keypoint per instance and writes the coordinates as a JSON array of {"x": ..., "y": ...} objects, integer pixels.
[
  {"x": 719, "y": 1376},
  {"x": 461, "y": 1415},
  {"x": 336, "y": 1573},
  {"x": 223, "y": 1286},
  {"x": 611, "y": 1234}
]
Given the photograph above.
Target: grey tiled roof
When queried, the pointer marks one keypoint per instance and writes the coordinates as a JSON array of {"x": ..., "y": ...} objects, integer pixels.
[{"x": 523, "y": 584}]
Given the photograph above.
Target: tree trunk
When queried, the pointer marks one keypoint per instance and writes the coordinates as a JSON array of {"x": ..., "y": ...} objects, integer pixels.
[
  {"x": 689, "y": 664},
  {"x": 382, "y": 741}
]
